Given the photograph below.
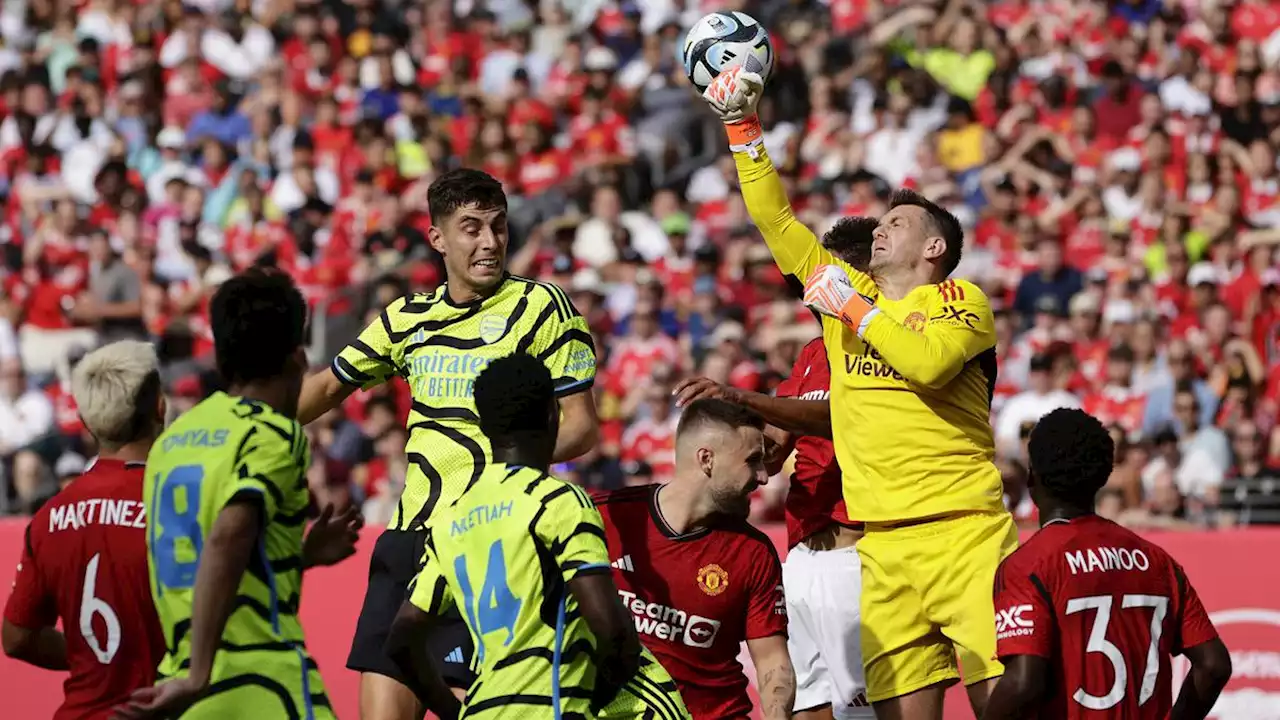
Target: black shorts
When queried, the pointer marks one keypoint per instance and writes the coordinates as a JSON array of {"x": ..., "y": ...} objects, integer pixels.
[{"x": 394, "y": 564}]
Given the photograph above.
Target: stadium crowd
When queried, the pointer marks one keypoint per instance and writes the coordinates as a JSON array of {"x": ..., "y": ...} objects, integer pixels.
[{"x": 1114, "y": 163}]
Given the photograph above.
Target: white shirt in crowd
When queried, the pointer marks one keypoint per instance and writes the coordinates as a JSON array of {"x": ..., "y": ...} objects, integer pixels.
[
  {"x": 24, "y": 419},
  {"x": 1028, "y": 407}
]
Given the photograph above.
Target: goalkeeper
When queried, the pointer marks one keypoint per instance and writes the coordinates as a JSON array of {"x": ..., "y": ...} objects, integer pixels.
[{"x": 913, "y": 365}]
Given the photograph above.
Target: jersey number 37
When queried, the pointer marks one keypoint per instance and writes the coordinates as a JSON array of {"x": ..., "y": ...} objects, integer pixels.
[{"x": 1098, "y": 643}]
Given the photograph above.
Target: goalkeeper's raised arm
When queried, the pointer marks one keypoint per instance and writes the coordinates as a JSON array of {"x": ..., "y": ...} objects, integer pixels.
[{"x": 733, "y": 95}]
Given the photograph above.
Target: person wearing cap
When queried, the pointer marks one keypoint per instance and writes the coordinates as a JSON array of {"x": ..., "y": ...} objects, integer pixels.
[{"x": 1031, "y": 404}]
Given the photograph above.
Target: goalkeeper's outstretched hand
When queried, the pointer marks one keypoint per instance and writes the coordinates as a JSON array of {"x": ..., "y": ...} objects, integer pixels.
[
  {"x": 734, "y": 94},
  {"x": 829, "y": 291}
]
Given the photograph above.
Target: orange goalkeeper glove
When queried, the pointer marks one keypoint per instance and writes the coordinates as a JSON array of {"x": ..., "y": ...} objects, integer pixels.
[
  {"x": 829, "y": 291},
  {"x": 733, "y": 95}
]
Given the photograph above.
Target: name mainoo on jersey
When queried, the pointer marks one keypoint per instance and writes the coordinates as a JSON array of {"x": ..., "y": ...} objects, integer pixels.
[
  {"x": 1106, "y": 559},
  {"x": 443, "y": 373},
  {"x": 98, "y": 511},
  {"x": 480, "y": 515}
]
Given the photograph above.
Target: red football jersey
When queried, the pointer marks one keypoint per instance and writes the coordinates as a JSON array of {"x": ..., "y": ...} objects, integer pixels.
[
  {"x": 695, "y": 597},
  {"x": 815, "y": 498},
  {"x": 1108, "y": 608},
  {"x": 85, "y": 563}
]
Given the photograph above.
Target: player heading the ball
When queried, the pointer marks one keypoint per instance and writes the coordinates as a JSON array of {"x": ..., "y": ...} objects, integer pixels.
[
  {"x": 439, "y": 342},
  {"x": 226, "y": 504},
  {"x": 913, "y": 366},
  {"x": 522, "y": 555},
  {"x": 1088, "y": 613}
]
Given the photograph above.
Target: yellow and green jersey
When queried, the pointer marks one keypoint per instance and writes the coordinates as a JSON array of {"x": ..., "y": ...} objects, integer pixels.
[
  {"x": 229, "y": 449},
  {"x": 439, "y": 347},
  {"x": 503, "y": 555}
]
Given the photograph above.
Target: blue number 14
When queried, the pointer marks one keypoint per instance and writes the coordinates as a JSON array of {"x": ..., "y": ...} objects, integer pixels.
[{"x": 497, "y": 608}]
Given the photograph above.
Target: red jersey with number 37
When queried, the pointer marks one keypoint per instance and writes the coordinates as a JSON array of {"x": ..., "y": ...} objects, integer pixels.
[
  {"x": 1108, "y": 608},
  {"x": 696, "y": 597},
  {"x": 85, "y": 563}
]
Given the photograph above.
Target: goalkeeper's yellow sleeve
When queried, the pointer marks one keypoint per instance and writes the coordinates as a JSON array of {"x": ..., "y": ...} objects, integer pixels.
[
  {"x": 795, "y": 248},
  {"x": 958, "y": 328}
]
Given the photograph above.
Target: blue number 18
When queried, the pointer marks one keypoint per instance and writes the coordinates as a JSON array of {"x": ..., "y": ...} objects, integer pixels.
[
  {"x": 497, "y": 608},
  {"x": 177, "y": 521}
]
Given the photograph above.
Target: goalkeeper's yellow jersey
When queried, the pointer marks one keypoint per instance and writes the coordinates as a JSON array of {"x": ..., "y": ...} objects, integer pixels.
[{"x": 910, "y": 403}]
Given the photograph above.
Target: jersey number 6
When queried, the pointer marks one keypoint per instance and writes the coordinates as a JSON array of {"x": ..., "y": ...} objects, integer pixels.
[
  {"x": 176, "y": 536},
  {"x": 497, "y": 608}
]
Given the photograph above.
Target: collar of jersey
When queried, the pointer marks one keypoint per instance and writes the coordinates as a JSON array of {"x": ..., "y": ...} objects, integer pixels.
[
  {"x": 655, "y": 512},
  {"x": 444, "y": 294}
]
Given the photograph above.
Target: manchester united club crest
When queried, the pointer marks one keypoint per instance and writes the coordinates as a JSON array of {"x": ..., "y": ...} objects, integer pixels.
[
  {"x": 915, "y": 321},
  {"x": 713, "y": 579}
]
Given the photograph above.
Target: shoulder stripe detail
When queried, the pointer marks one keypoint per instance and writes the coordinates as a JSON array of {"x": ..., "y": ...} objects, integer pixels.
[
  {"x": 549, "y": 497},
  {"x": 526, "y": 340},
  {"x": 629, "y": 494},
  {"x": 583, "y": 499},
  {"x": 564, "y": 308},
  {"x": 565, "y": 338},
  {"x": 557, "y": 548}
]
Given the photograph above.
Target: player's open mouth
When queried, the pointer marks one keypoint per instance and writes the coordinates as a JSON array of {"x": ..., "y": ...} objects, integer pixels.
[{"x": 486, "y": 264}]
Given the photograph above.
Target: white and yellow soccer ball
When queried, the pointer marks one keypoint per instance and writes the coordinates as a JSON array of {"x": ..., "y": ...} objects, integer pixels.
[{"x": 722, "y": 40}]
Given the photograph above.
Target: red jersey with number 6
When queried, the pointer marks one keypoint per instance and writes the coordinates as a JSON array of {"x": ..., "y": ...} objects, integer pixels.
[
  {"x": 1108, "y": 609},
  {"x": 696, "y": 597},
  {"x": 85, "y": 563},
  {"x": 816, "y": 496}
]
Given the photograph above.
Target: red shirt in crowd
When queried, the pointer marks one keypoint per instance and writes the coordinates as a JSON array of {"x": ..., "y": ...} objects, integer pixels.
[
  {"x": 815, "y": 498},
  {"x": 1087, "y": 583},
  {"x": 695, "y": 597},
  {"x": 1114, "y": 405},
  {"x": 84, "y": 563}
]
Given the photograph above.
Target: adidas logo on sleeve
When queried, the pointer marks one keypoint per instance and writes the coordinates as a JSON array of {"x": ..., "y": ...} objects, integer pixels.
[
  {"x": 623, "y": 563},
  {"x": 455, "y": 656}
]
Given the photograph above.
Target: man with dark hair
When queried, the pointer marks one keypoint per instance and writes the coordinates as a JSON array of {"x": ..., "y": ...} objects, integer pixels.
[
  {"x": 697, "y": 577},
  {"x": 226, "y": 502},
  {"x": 439, "y": 342},
  {"x": 522, "y": 555},
  {"x": 913, "y": 362},
  {"x": 1089, "y": 613},
  {"x": 823, "y": 637}
]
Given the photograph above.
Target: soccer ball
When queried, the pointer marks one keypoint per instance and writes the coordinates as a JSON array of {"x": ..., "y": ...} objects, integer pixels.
[{"x": 722, "y": 40}]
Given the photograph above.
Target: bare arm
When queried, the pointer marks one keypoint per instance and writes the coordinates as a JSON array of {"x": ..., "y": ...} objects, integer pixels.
[
  {"x": 225, "y": 557},
  {"x": 777, "y": 676},
  {"x": 1210, "y": 671},
  {"x": 321, "y": 393},
  {"x": 579, "y": 426},
  {"x": 617, "y": 647},
  {"x": 1020, "y": 688},
  {"x": 407, "y": 647},
  {"x": 801, "y": 417},
  {"x": 44, "y": 647}
]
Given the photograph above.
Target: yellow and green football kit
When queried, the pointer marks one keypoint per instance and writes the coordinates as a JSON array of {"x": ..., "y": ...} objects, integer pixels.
[
  {"x": 504, "y": 555},
  {"x": 230, "y": 449},
  {"x": 439, "y": 347},
  {"x": 910, "y": 418}
]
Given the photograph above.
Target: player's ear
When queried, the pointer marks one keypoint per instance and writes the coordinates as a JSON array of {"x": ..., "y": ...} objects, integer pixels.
[
  {"x": 162, "y": 410},
  {"x": 935, "y": 246},
  {"x": 435, "y": 237},
  {"x": 706, "y": 460}
]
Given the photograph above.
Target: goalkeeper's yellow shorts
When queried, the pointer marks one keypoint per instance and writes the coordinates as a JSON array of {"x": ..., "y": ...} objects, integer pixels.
[{"x": 926, "y": 601}]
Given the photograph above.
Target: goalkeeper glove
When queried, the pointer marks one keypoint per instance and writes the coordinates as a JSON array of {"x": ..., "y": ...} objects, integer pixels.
[
  {"x": 829, "y": 291},
  {"x": 734, "y": 95}
]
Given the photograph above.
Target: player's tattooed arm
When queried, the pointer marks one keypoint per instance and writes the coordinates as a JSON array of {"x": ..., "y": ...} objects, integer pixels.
[
  {"x": 1210, "y": 672},
  {"x": 1020, "y": 689},
  {"x": 407, "y": 647},
  {"x": 777, "y": 676}
]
